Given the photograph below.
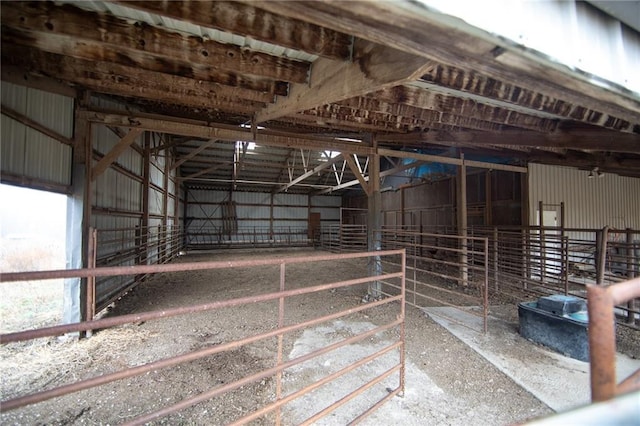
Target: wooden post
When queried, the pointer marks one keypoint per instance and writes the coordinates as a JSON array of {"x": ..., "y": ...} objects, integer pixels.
[
  {"x": 462, "y": 220},
  {"x": 271, "y": 217},
  {"x": 488, "y": 208},
  {"x": 543, "y": 252},
  {"x": 146, "y": 173},
  {"x": 185, "y": 223},
  {"x": 402, "y": 223},
  {"x": 374, "y": 220},
  {"x": 495, "y": 257},
  {"x": 78, "y": 220},
  {"x": 165, "y": 207},
  {"x": 91, "y": 281}
]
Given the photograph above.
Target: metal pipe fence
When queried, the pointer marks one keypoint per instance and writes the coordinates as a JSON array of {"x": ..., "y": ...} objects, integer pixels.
[
  {"x": 602, "y": 339},
  {"x": 343, "y": 238},
  {"x": 251, "y": 236},
  {"x": 444, "y": 270},
  {"x": 394, "y": 328},
  {"x": 141, "y": 245},
  {"x": 535, "y": 261}
]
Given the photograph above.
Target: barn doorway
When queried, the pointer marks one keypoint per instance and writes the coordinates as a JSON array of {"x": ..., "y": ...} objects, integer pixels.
[{"x": 32, "y": 238}]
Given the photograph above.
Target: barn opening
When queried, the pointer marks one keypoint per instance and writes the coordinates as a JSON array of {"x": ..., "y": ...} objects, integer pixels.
[
  {"x": 31, "y": 243},
  {"x": 205, "y": 154}
]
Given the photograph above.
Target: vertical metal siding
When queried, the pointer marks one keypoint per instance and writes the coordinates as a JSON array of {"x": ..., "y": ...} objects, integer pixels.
[
  {"x": 252, "y": 198},
  {"x": 291, "y": 199},
  {"x": 589, "y": 203},
  {"x": 326, "y": 201},
  {"x": 27, "y": 152},
  {"x": 12, "y": 153}
]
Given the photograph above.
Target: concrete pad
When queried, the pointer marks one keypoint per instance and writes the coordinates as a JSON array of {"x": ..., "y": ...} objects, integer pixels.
[{"x": 559, "y": 381}]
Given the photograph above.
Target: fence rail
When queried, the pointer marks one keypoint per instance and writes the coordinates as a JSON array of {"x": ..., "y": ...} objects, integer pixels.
[
  {"x": 395, "y": 326},
  {"x": 252, "y": 236}
]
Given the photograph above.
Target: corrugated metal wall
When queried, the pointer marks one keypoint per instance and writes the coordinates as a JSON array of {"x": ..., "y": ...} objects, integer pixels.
[
  {"x": 27, "y": 153},
  {"x": 124, "y": 237},
  {"x": 589, "y": 202},
  {"x": 260, "y": 214},
  {"x": 328, "y": 207}
]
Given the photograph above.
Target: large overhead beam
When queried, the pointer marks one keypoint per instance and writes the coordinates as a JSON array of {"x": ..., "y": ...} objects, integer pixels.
[
  {"x": 410, "y": 27},
  {"x": 129, "y": 81},
  {"x": 222, "y": 132},
  {"x": 256, "y": 23},
  {"x": 596, "y": 139},
  {"x": 374, "y": 67},
  {"x": 411, "y": 101},
  {"x": 449, "y": 160},
  {"x": 475, "y": 86},
  {"x": 69, "y": 30}
]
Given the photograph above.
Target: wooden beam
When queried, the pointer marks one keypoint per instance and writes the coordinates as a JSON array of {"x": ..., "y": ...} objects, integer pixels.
[
  {"x": 409, "y": 26},
  {"x": 67, "y": 29},
  {"x": 247, "y": 20},
  {"x": 374, "y": 67},
  {"x": 407, "y": 118},
  {"x": 312, "y": 117},
  {"x": 222, "y": 132},
  {"x": 412, "y": 101},
  {"x": 15, "y": 75},
  {"x": 592, "y": 139},
  {"x": 193, "y": 153},
  {"x": 204, "y": 171},
  {"x": 131, "y": 82},
  {"x": 449, "y": 160},
  {"x": 23, "y": 119},
  {"x": 115, "y": 152},
  {"x": 310, "y": 173},
  {"x": 366, "y": 187}
]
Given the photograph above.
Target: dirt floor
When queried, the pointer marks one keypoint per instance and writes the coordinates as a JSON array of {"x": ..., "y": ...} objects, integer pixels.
[{"x": 447, "y": 382}]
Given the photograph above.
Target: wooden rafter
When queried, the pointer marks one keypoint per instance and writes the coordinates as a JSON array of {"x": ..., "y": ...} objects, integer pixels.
[
  {"x": 592, "y": 139},
  {"x": 198, "y": 129},
  {"x": 448, "y": 160},
  {"x": 249, "y": 21},
  {"x": 355, "y": 169},
  {"x": 413, "y": 102},
  {"x": 115, "y": 152},
  {"x": 412, "y": 27},
  {"x": 374, "y": 68},
  {"x": 128, "y": 81},
  {"x": 103, "y": 37},
  {"x": 193, "y": 153},
  {"x": 21, "y": 118},
  {"x": 471, "y": 84}
]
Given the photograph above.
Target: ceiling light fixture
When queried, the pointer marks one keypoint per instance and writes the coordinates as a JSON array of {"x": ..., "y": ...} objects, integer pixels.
[{"x": 595, "y": 172}]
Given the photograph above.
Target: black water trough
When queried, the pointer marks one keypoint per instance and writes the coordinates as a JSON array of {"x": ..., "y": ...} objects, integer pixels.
[{"x": 559, "y": 322}]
